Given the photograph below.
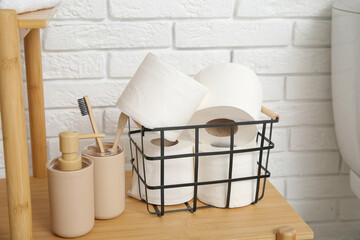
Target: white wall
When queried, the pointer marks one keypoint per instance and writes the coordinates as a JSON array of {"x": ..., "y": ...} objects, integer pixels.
[{"x": 93, "y": 47}]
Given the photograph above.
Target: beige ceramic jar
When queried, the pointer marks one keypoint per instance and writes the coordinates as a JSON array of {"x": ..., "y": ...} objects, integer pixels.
[{"x": 109, "y": 180}]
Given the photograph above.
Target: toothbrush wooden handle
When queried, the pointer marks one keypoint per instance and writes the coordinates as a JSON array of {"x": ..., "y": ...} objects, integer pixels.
[
  {"x": 269, "y": 113},
  {"x": 93, "y": 124},
  {"x": 137, "y": 124},
  {"x": 121, "y": 125}
]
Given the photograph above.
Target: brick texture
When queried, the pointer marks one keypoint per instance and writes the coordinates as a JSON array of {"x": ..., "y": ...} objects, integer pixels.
[
  {"x": 308, "y": 88},
  {"x": 93, "y": 47},
  {"x": 304, "y": 163},
  {"x": 65, "y": 94},
  {"x": 81, "y": 9},
  {"x": 70, "y": 36},
  {"x": 232, "y": 34},
  {"x": 74, "y": 65},
  {"x": 315, "y": 210},
  {"x": 318, "y": 187},
  {"x": 284, "y": 60},
  {"x": 280, "y": 8},
  {"x": 124, "y": 9},
  {"x": 350, "y": 209},
  {"x": 311, "y": 33},
  {"x": 313, "y": 139},
  {"x": 124, "y": 64}
]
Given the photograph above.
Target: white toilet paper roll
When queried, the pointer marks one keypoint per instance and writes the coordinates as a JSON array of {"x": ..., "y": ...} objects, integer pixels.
[
  {"x": 234, "y": 95},
  {"x": 231, "y": 84},
  {"x": 177, "y": 171},
  {"x": 217, "y": 168},
  {"x": 220, "y": 136},
  {"x": 159, "y": 95}
]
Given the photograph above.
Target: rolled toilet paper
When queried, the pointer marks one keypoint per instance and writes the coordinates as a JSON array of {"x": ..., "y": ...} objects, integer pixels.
[
  {"x": 231, "y": 84},
  {"x": 176, "y": 171},
  {"x": 234, "y": 95},
  {"x": 216, "y": 167},
  {"x": 159, "y": 95},
  {"x": 220, "y": 136}
]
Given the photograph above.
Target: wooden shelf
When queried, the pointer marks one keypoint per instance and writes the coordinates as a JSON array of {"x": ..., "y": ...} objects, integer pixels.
[
  {"x": 258, "y": 221},
  {"x": 35, "y": 19}
]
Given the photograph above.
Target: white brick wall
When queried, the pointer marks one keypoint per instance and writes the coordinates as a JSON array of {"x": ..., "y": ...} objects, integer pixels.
[
  {"x": 336, "y": 230},
  {"x": 285, "y": 60},
  {"x": 313, "y": 138},
  {"x": 58, "y": 120},
  {"x": 308, "y": 88},
  {"x": 81, "y": 9},
  {"x": 93, "y": 47},
  {"x": 80, "y": 36},
  {"x": 350, "y": 209},
  {"x": 74, "y": 65},
  {"x": 304, "y": 163},
  {"x": 281, "y": 8},
  {"x": 187, "y": 61},
  {"x": 232, "y": 34},
  {"x": 306, "y": 113},
  {"x": 274, "y": 88},
  {"x": 63, "y": 93},
  {"x": 124, "y": 9},
  {"x": 312, "y": 33},
  {"x": 318, "y": 187},
  {"x": 316, "y": 210}
]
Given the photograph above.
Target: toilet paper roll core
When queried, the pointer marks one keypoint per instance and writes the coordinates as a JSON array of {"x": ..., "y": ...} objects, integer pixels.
[
  {"x": 167, "y": 143},
  {"x": 243, "y": 134},
  {"x": 220, "y": 131}
]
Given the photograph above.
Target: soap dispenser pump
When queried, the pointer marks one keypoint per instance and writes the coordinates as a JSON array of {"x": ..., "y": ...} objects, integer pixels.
[
  {"x": 71, "y": 188},
  {"x": 69, "y": 147}
]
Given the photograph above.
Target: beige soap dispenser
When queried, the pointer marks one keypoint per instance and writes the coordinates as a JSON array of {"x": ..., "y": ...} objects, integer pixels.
[
  {"x": 71, "y": 188},
  {"x": 70, "y": 160}
]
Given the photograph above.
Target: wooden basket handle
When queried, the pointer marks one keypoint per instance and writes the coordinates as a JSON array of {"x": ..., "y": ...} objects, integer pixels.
[
  {"x": 270, "y": 113},
  {"x": 264, "y": 110}
]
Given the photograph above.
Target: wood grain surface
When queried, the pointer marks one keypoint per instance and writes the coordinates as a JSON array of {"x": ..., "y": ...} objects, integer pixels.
[{"x": 259, "y": 221}]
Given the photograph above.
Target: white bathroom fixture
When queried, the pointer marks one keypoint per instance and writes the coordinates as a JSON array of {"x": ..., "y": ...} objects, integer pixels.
[{"x": 346, "y": 84}]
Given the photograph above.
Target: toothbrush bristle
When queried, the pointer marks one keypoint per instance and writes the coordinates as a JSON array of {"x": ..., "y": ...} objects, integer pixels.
[{"x": 83, "y": 107}]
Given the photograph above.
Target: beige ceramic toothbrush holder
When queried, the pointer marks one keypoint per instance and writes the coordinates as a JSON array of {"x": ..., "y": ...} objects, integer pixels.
[
  {"x": 109, "y": 180},
  {"x": 71, "y": 195}
]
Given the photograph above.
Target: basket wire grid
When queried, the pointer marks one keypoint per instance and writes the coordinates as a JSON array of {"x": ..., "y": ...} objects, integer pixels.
[{"x": 264, "y": 143}]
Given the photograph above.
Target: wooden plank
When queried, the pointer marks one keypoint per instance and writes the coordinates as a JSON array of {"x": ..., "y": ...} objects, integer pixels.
[
  {"x": 259, "y": 221},
  {"x": 35, "y": 19},
  {"x": 14, "y": 129},
  {"x": 23, "y": 32},
  {"x": 35, "y": 90}
]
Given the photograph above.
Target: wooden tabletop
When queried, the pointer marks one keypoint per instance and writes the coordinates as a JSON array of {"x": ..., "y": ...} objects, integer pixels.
[
  {"x": 258, "y": 221},
  {"x": 35, "y": 19}
]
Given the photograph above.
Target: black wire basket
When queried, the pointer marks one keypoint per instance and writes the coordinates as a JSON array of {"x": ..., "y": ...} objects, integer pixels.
[{"x": 263, "y": 146}]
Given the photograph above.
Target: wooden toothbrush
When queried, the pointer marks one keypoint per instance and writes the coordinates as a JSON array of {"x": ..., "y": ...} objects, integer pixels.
[
  {"x": 123, "y": 118},
  {"x": 120, "y": 128},
  {"x": 86, "y": 109}
]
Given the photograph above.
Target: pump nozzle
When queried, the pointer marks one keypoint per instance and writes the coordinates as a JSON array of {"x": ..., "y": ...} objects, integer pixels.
[
  {"x": 91, "y": 135},
  {"x": 69, "y": 147}
]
